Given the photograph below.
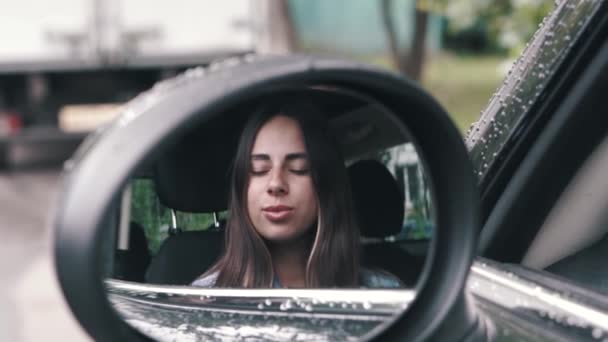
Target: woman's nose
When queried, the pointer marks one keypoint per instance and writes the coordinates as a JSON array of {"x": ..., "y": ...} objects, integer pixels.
[{"x": 277, "y": 185}]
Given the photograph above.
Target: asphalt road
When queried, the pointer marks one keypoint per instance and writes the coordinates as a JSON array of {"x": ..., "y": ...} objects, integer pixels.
[{"x": 32, "y": 307}]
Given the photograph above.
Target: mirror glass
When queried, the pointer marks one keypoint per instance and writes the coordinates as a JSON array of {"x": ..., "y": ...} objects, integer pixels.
[{"x": 314, "y": 156}]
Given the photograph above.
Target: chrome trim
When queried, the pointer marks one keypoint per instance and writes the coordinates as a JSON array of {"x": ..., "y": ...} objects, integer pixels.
[
  {"x": 513, "y": 304},
  {"x": 169, "y": 313},
  {"x": 365, "y": 303},
  {"x": 548, "y": 309},
  {"x": 173, "y": 219},
  {"x": 216, "y": 221}
]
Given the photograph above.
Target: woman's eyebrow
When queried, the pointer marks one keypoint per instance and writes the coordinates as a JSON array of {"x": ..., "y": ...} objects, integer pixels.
[
  {"x": 292, "y": 156},
  {"x": 289, "y": 157},
  {"x": 260, "y": 157}
]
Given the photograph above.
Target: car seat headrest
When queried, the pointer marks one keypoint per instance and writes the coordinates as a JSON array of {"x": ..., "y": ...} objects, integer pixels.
[
  {"x": 194, "y": 175},
  {"x": 378, "y": 201}
]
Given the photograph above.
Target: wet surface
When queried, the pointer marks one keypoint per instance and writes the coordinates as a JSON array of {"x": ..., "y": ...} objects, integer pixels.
[
  {"x": 514, "y": 303},
  {"x": 522, "y": 309},
  {"x": 179, "y": 313},
  {"x": 191, "y": 324},
  {"x": 526, "y": 82}
]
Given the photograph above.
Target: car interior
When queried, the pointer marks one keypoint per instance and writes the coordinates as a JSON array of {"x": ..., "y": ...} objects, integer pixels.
[
  {"x": 192, "y": 176},
  {"x": 578, "y": 223}
]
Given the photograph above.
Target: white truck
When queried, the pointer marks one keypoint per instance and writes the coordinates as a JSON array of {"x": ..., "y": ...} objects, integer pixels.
[{"x": 65, "y": 65}]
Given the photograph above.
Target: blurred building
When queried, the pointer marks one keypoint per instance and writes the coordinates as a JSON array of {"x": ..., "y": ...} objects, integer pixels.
[{"x": 354, "y": 27}]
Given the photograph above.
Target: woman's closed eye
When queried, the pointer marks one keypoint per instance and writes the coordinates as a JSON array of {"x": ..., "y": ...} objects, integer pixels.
[
  {"x": 260, "y": 165},
  {"x": 297, "y": 171},
  {"x": 298, "y": 166},
  {"x": 259, "y": 171}
]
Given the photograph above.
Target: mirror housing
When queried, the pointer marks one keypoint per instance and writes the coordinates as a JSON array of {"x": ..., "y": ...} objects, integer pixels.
[{"x": 201, "y": 94}]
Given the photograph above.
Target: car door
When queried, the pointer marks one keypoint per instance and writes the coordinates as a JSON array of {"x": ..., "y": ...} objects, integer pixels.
[
  {"x": 522, "y": 109},
  {"x": 539, "y": 151}
]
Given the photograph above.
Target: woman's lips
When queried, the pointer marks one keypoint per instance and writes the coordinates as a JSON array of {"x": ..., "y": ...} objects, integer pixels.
[{"x": 277, "y": 213}]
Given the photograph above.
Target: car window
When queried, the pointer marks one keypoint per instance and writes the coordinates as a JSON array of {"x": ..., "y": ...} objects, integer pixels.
[
  {"x": 156, "y": 219},
  {"x": 509, "y": 107},
  {"x": 405, "y": 165}
]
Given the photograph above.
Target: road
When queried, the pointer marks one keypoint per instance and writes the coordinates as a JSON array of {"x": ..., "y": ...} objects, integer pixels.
[{"x": 32, "y": 307}]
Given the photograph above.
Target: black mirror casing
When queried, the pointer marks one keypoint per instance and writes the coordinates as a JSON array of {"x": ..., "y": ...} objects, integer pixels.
[{"x": 156, "y": 118}]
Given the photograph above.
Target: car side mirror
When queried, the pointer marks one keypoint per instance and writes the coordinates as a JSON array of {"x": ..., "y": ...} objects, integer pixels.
[{"x": 157, "y": 120}]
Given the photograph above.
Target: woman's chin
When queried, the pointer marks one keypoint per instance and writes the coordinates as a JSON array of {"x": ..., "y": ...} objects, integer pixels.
[{"x": 280, "y": 234}]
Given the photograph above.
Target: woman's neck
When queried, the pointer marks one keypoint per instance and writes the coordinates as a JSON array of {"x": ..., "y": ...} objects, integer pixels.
[{"x": 289, "y": 262}]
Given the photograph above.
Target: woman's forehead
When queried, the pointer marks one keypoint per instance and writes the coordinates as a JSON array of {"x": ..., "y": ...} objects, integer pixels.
[{"x": 280, "y": 135}]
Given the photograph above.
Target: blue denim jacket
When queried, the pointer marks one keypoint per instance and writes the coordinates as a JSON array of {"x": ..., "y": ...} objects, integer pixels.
[{"x": 368, "y": 278}]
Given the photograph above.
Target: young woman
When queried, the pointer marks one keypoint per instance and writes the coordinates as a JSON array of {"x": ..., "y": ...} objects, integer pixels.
[{"x": 291, "y": 220}]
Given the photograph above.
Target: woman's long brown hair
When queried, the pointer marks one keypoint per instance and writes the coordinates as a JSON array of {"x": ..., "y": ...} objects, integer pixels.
[{"x": 334, "y": 252}]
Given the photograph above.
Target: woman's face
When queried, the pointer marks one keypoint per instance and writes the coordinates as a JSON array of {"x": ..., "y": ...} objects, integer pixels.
[{"x": 281, "y": 200}]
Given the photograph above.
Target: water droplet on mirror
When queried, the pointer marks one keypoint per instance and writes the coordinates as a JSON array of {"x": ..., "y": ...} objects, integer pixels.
[
  {"x": 261, "y": 306},
  {"x": 597, "y": 333},
  {"x": 268, "y": 302}
]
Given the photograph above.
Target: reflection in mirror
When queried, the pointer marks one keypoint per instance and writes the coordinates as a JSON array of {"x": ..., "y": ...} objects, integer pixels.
[{"x": 345, "y": 207}]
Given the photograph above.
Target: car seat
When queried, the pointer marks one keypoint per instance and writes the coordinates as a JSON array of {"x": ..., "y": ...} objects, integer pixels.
[
  {"x": 188, "y": 179},
  {"x": 131, "y": 264},
  {"x": 379, "y": 203}
]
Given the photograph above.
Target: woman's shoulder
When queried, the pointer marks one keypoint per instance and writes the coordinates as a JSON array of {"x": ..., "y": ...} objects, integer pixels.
[
  {"x": 377, "y": 278},
  {"x": 206, "y": 280}
]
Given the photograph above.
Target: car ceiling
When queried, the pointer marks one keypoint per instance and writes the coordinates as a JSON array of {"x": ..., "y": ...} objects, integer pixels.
[{"x": 361, "y": 127}]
